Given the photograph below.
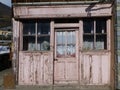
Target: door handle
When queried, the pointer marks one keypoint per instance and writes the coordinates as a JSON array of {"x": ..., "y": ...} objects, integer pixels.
[{"x": 55, "y": 59}]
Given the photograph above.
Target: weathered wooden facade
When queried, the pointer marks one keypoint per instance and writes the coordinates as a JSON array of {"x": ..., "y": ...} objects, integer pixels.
[{"x": 63, "y": 43}]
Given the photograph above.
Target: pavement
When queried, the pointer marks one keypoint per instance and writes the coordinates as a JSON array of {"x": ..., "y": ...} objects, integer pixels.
[{"x": 2, "y": 74}]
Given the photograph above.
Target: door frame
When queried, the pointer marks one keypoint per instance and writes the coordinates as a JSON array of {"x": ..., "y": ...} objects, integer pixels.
[{"x": 66, "y": 28}]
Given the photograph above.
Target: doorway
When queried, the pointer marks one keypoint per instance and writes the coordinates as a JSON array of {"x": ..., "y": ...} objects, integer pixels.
[{"x": 66, "y": 56}]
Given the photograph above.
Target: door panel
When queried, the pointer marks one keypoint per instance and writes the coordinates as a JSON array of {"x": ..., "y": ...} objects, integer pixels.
[
  {"x": 59, "y": 70},
  {"x": 66, "y": 61},
  {"x": 71, "y": 70}
]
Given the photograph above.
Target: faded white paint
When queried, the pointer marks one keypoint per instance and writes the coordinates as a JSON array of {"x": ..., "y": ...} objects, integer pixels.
[
  {"x": 62, "y": 11},
  {"x": 35, "y": 68},
  {"x": 95, "y": 69},
  {"x": 43, "y": 68}
]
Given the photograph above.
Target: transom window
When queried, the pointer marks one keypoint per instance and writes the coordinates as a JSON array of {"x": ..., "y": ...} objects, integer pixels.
[
  {"x": 65, "y": 43},
  {"x": 36, "y": 35},
  {"x": 94, "y": 34}
]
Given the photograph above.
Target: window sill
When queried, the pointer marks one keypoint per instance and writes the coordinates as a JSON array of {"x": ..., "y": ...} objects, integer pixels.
[
  {"x": 35, "y": 51},
  {"x": 95, "y": 51}
]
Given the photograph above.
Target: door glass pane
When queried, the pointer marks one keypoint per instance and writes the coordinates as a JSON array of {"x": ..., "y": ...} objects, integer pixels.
[
  {"x": 71, "y": 43},
  {"x": 60, "y": 42},
  {"x": 65, "y": 41}
]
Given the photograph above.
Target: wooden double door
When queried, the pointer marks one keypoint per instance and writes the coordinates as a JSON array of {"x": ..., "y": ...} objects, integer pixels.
[{"x": 66, "y": 56}]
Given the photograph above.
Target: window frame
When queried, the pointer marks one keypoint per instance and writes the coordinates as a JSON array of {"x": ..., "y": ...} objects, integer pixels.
[
  {"x": 36, "y": 35},
  {"x": 107, "y": 34}
]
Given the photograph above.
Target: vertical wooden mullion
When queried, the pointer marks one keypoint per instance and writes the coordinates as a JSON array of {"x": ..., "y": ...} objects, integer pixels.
[
  {"x": 55, "y": 46},
  {"x": 21, "y": 36},
  {"x": 81, "y": 34},
  {"x": 52, "y": 32},
  {"x": 36, "y": 35},
  {"x": 80, "y": 46},
  {"x": 94, "y": 34},
  {"x": 108, "y": 34},
  {"x": 66, "y": 43}
]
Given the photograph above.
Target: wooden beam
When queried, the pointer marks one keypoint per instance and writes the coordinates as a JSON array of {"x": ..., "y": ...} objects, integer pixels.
[{"x": 66, "y": 25}]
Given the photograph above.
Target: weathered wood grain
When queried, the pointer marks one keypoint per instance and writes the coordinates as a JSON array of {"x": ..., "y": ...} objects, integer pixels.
[
  {"x": 35, "y": 68},
  {"x": 62, "y": 11},
  {"x": 95, "y": 69}
]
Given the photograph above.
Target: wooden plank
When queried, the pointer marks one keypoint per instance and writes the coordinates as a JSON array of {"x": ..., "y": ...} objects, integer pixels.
[
  {"x": 108, "y": 34},
  {"x": 39, "y": 73},
  {"x": 61, "y": 11},
  {"x": 86, "y": 69},
  {"x": 96, "y": 70},
  {"x": 15, "y": 47},
  {"x": 66, "y": 25},
  {"x": 106, "y": 69}
]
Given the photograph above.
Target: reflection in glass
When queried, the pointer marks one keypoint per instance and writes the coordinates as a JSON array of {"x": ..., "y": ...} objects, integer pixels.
[
  {"x": 29, "y": 28},
  {"x": 88, "y": 26},
  {"x": 100, "y": 26},
  {"x": 43, "y": 28},
  {"x": 101, "y": 42},
  {"x": 65, "y": 41},
  {"x": 29, "y": 43},
  {"x": 71, "y": 43},
  {"x": 36, "y": 35},
  {"x": 88, "y": 43},
  {"x": 43, "y": 43},
  {"x": 60, "y": 41}
]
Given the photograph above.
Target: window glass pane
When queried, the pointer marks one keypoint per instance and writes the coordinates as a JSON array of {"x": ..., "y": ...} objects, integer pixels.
[
  {"x": 29, "y": 28},
  {"x": 29, "y": 43},
  {"x": 43, "y": 28},
  {"x": 101, "y": 42},
  {"x": 94, "y": 38},
  {"x": 88, "y": 26},
  {"x": 60, "y": 42},
  {"x": 88, "y": 41},
  {"x": 71, "y": 43},
  {"x": 43, "y": 43},
  {"x": 100, "y": 26}
]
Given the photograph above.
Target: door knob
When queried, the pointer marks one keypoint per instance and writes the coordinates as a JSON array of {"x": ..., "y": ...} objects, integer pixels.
[{"x": 55, "y": 59}]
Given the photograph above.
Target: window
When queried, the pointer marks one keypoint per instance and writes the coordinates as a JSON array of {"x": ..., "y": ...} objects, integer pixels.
[
  {"x": 65, "y": 43},
  {"x": 36, "y": 35},
  {"x": 94, "y": 34}
]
